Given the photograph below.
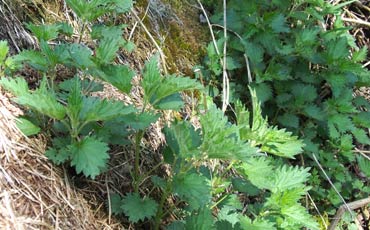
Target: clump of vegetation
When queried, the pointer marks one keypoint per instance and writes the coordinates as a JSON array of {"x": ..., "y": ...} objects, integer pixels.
[
  {"x": 234, "y": 172},
  {"x": 304, "y": 65}
]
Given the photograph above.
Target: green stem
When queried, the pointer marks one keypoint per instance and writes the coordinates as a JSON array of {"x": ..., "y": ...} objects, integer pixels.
[
  {"x": 81, "y": 33},
  {"x": 158, "y": 217},
  {"x": 138, "y": 138}
]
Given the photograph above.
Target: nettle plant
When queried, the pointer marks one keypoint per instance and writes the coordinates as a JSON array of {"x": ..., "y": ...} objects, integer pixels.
[
  {"x": 305, "y": 65},
  {"x": 220, "y": 175}
]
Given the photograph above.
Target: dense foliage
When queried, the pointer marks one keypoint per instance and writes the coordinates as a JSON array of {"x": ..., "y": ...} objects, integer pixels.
[
  {"x": 305, "y": 66},
  {"x": 234, "y": 172}
]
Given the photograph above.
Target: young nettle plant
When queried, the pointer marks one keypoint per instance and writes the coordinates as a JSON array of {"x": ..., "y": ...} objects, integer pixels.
[{"x": 208, "y": 196}]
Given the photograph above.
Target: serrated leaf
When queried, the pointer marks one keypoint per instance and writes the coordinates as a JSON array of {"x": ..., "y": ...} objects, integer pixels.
[
  {"x": 137, "y": 208},
  {"x": 289, "y": 120},
  {"x": 272, "y": 140},
  {"x": 140, "y": 121},
  {"x": 258, "y": 224},
  {"x": 44, "y": 32},
  {"x": 200, "y": 220},
  {"x": 193, "y": 188},
  {"x": 289, "y": 177},
  {"x": 32, "y": 57},
  {"x": 360, "y": 55},
  {"x": 87, "y": 10},
  {"x": 364, "y": 165},
  {"x": 314, "y": 111},
  {"x": 96, "y": 109},
  {"x": 157, "y": 88},
  {"x": 304, "y": 93},
  {"x": 338, "y": 49},
  {"x": 89, "y": 156},
  {"x": 44, "y": 103},
  {"x": 279, "y": 25},
  {"x": 27, "y": 127},
  {"x": 17, "y": 86},
  {"x": 228, "y": 214},
  {"x": 107, "y": 49},
  {"x": 221, "y": 139},
  {"x": 122, "y": 6},
  {"x": 244, "y": 186},
  {"x": 183, "y": 140},
  {"x": 172, "y": 102},
  {"x": 263, "y": 91},
  {"x": 361, "y": 136},
  {"x": 285, "y": 198},
  {"x": 158, "y": 182},
  {"x": 258, "y": 171},
  {"x": 4, "y": 49},
  {"x": 58, "y": 156},
  {"x": 297, "y": 214},
  {"x": 119, "y": 76},
  {"x": 115, "y": 204}
]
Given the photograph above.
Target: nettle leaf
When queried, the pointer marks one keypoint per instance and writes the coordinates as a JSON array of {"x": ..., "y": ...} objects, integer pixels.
[
  {"x": 79, "y": 55},
  {"x": 17, "y": 86},
  {"x": 27, "y": 127},
  {"x": 338, "y": 49},
  {"x": 183, "y": 139},
  {"x": 200, "y": 220},
  {"x": 289, "y": 120},
  {"x": 285, "y": 198},
  {"x": 360, "y": 55},
  {"x": 44, "y": 103},
  {"x": 4, "y": 50},
  {"x": 258, "y": 224},
  {"x": 339, "y": 124},
  {"x": 161, "y": 91},
  {"x": 361, "y": 136},
  {"x": 364, "y": 165},
  {"x": 89, "y": 156},
  {"x": 96, "y": 109},
  {"x": 115, "y": 204},
  {"x": 265, "y": 176},
  {"x": 107, "y": 49},
  {"x": 119, "y": 76},
  {"x": 298, "y": 215},
  {"x": 172, "y": 102},
  {"x": 32, "y": 57},
  {"x": 87, "y": 10},
  {"x": 279, "y": 25},
  {"x": 122, "y": 6},
  {"x": 58, "y": 156},
  {"x": 272, "y": 140},
  {"x": 314, "y": 111},
  {"x": 99, "y": 31},
  {"x": 193, "y": 188},
  {"x": 304, "y": 93},
  {"x": 44, "y": 32},
  {"x": 263, "y": 91},
  {"x": 286, "y": 178},
  {"x": 137, "y": 208},
  {"x": 221, "y": 139},
  {"x": 140, "y": 121}
]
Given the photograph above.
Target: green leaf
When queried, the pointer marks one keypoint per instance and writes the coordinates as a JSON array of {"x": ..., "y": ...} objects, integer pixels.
[
  {"x": 289, "y": 177},
  {"x": 58, "y": 156},
  {"x": 4, "y": 50},
  {"x": 221, "y": 139},
  {"x": 361, "y": 136},
  {"x": 304, "y": 93},
  {"x": 44, "y": 32},
  {"x": 314, "y": 111},
  {"x": 172, "y": 102},
  {"x": 200, "y": 220},
  {"x": 157, "y": 88},
  {"x": 279, "y": 25},
  {"x": 107, "y": 49},
  {"x": 96, "y": 109},
  {"x": 244, "y": 186},
  {"x": 289, "y": 120},
  {"x": 119, "y": 76},
  {"x": 272, "y": 140},
  {"x": 115, "y": 204},
  {"x": 122, "y": 6},
  {"x": 338, "y": 49},
  {"x": 258, "y": 224},
  {"x": 137, "y": 208},
  {"x": 27, "y": 127},
  {"x": 44, "y": 103},
  {"x": 34, "y": 58},
  {"x": 17, "y": 86},
  {"x": 183, "y": 140},
  {"x": 258, "y": 171},
  {"x": 193, "y": 188},
  {"x": 89, "y": 156},
  {"x": 140, "y": 121},
  {"x": 296, "y": 214},
  {"x": 263, "y": 91},
  {"x": 87, "y": 10},
  {"x": 364, "y": 165},
  {"x": 359, "y": 55}
]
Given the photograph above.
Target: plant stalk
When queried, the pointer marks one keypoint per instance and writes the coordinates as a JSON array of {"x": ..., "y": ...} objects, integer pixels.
[{"x": 138, "y": 138}]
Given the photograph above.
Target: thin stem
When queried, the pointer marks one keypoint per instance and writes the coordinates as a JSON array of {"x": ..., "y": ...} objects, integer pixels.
[
  {"x": 138, "y": 138},
  {"x": 158, "y": 216},
  {"x": 81, "y": 32}
]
